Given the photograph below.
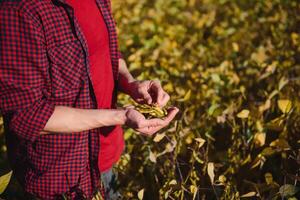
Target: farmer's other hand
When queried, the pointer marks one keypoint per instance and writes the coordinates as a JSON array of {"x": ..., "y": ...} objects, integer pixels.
[
  {"x": 148, "y": 127},
  {"x": 148, "y": 92}
]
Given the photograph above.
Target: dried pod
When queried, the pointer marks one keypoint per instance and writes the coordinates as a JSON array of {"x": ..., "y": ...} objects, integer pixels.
[{"x": 151, "y": 111}]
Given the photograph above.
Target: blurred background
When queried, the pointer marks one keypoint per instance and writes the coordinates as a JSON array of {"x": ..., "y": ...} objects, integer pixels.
[{"x": 233, "y": 69}]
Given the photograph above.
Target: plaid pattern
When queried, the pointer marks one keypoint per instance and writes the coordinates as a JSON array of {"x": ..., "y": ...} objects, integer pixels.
[{"x": 43, "y": 63}]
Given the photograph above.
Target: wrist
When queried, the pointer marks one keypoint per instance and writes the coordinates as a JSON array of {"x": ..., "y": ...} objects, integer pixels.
[
  {"x": 122, "y": 116},
  {"x": 128, "y": 86}
]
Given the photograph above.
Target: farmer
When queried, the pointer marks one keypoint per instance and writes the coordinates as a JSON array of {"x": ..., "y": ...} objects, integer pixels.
[{"x": 60, "y": 70}]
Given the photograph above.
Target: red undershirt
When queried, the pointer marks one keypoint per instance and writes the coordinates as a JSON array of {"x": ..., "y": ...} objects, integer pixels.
[{"x": 95, "y": 31}]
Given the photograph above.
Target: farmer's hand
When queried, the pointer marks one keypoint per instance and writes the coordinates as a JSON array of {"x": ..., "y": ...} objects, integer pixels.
[
  {"x": 137, "y": 121},
  {"x": 148, "y": 92}
]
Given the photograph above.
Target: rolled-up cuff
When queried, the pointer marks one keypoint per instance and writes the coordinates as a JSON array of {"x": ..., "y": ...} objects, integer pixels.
[{"x": 29, "y": 122}]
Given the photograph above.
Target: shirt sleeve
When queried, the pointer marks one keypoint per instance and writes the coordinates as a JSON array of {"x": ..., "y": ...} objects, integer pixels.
[
  {"x": 120, "y": 55},
  {"x": 23, "y": 74}
]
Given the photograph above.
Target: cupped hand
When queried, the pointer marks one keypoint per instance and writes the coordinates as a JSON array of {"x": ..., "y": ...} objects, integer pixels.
[
  {"x": 148, "y": 127},
  {"x": 149, "y": 92}
]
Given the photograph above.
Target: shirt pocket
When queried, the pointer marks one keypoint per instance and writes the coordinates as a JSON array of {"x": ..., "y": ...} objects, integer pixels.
[{"x": 67, "y": 65}]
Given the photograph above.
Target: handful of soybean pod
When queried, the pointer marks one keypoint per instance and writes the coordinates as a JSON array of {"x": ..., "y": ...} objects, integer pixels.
[{"x": 151, "y": 111}]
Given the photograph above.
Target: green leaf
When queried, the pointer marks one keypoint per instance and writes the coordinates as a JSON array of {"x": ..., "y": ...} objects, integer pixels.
[{"x": 212, "y": 109}]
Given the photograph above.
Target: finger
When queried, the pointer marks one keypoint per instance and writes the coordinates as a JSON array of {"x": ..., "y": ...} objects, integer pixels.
[
  {"x": 172, "y": 112},
  {"x": 164, "y": 100},
  {"x": 158, "y": 92},
  {"x": 147, "y": 98},
  {"x": 144, "y": 95}
]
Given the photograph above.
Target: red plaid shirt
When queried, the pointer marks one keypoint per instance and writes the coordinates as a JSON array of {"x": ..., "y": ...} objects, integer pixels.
[{"x": 43, "y": 63}]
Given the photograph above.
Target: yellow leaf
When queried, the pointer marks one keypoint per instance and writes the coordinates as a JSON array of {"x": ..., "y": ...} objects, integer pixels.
[
  {"x": 243, "y": 114},
  {"x": 4, "y": 148},
  {"x": 210, "y": 171},
  {"x": 260, "y": 56},
  {"x": 248, "y": 159},
  {"x": 259, "y": 126},
  {"x": 268, "y": 151},
  {"x": 295, "y": 38},
  {"x": 194, "y": 191},
  {"x": 276, "y": 124},
  {"x": 173, "y": 182},
  {"x": 268, "y": 178},
  {"x": 284, "y": 105},
  {"x": 249, "y": 194},
  {"x": 186, "y": 97},
  {"x": 152, "y": 157},
  {"x": 273, "y": 94},
  {"x": 265, "y": 106},
  {"x": 169, "y": 147},
  {"x": 200, "y": 141},
  {"x": 288, "y": 190},
  {"x": 141, "y": 194},
  {"x": 159, "y": 137},
  {"x": 168, "y": 87},
  {"x": 222, "y": 179},
  {"x": 197, "y": 158},
  {"x": 259, "y": 161},
  {"x": 280, "y": 144},
  {"x": 167, "y": 194},
  {"x": 260, "y": 139},
  {"x": 4, "y": 180},
  {"x": 216, "y": 78},
  {"x": 283, "y": 82},
  {"x": 235, "y": 47},
  {"x": 189, "y": 139}
]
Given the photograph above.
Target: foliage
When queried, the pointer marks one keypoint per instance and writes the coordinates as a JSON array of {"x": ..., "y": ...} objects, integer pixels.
[{"x": 232, "y": 67}]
